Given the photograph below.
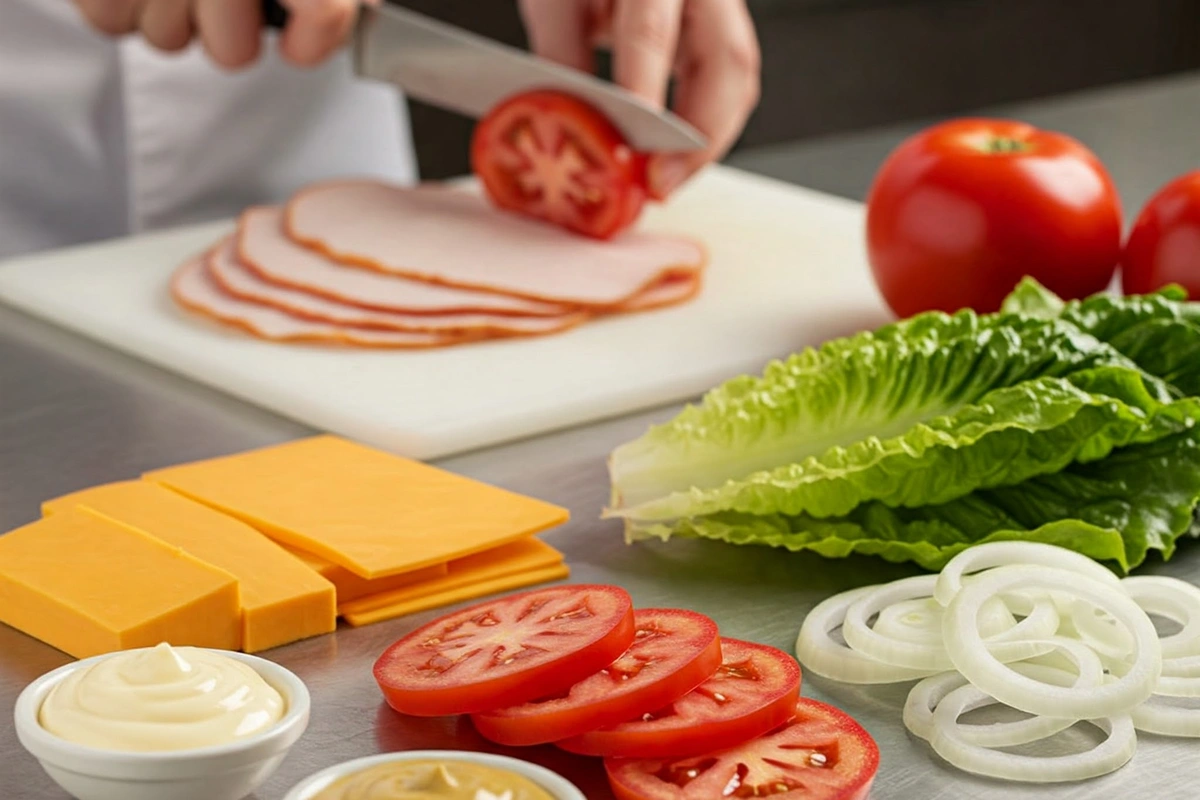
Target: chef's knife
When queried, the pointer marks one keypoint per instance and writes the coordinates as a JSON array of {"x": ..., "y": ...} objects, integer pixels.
[{"x": 454, "y": 69}]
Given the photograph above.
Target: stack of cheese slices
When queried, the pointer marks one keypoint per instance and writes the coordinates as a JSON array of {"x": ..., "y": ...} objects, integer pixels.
[
  {"x": 373, "y": 265},
  {"x": 262, "y": 548}
]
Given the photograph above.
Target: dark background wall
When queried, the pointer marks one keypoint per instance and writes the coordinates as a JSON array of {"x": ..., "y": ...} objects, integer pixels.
[{"x": 839, "y": 65}]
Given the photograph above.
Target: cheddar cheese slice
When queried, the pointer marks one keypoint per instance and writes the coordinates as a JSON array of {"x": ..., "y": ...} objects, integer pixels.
[
  {"x": 351, "y": 587},
  {"x": 282, "y": 599},
  {"x": 88, "y": 585},
  {"x": 368, "y": 511},
  {"x": 451, "y": 596},
  {"x": 464, "y": 575}
]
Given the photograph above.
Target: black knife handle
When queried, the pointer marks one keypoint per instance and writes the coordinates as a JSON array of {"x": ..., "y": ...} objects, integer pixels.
[{"x": 274, "y": 14}]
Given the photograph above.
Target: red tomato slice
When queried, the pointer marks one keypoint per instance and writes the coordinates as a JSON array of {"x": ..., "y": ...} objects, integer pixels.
[
  {"x": 508, "y": 650},
  {"x": 674, "y": 651},
  {"x": 554, "y": 157},
  {"x": 753, "y": 692},
  {"x": 821, "y": 754}
]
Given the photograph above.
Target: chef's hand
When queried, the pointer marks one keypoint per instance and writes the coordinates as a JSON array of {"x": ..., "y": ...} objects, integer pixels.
[
  {"x": 708, "y": 45},
  {"x": 231, "y": 30}
]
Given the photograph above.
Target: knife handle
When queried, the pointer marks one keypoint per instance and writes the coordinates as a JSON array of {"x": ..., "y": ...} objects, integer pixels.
[{"x": 274, "y": 14}]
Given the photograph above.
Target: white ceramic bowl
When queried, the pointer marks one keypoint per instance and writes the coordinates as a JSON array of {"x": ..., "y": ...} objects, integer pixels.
[
  {"x": 220, "y": 772},
  {"x": 556, "y": 785}
]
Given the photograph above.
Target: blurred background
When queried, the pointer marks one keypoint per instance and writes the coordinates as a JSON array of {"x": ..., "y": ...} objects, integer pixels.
[{"x": 846, "y": 80}]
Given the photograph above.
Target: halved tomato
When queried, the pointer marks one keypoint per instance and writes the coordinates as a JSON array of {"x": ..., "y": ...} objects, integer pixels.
[
  {"x": 673, "y": 652},
  {"x": 508, "y": 650},
  {"x": 821, "y": 754},
  {"x": 754, "y": 691},
  {"x": 552, "y": 156}
]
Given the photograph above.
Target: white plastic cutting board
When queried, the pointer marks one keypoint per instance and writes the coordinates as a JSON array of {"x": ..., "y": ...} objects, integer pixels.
[{"x": 787, "y": 270}]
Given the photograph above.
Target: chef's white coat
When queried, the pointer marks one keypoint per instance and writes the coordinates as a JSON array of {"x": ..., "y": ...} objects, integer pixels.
[{"x": 103, "y": 138}]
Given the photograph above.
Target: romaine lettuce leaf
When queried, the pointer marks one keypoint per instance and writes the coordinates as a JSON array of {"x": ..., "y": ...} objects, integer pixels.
[
  {"x": 1138, "y": 499},
  {"x": 1011, "y": 434},
  {"x": 1160, "y": 331},
  {"x": 855, "y": 393}
]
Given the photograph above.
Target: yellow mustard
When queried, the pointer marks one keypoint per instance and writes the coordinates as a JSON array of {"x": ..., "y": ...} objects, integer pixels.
[
  {"x": 433, "y": 780},
  {"x": 163, "y": 698}
]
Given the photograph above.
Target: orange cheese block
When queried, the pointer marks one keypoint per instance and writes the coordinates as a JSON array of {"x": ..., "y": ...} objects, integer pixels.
[
  {"x": 351, "y": 587},
  {"x": 373, "y": 513},
  {"x": 451, "y": 596},
  {"x": 473, "y": 576},
  {"x": 282, "y": 599},
  {"x": 88, "y": 585}
]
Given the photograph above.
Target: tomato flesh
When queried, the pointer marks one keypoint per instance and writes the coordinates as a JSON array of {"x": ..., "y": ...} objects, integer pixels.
[
  {"x": 753, "y": 691},
  {"x": 508, "y": 650},
  {"x": 960, "y": 212},
  {"x": 1164, "y": 245},
  {"x": 673, "y": 652},
  {"x": 820, "y": 754},
  {"x": 551, "y": 156}
]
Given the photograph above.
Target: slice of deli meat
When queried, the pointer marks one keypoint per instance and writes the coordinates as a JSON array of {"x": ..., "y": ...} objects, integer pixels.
[
  {"x": 264, "y": 248},
  {"x": 236, "y": 280},
  {"x": 670, "y": 292},
  {"x": 194, "y": 289},
  {"x": 455, "y": 238}
]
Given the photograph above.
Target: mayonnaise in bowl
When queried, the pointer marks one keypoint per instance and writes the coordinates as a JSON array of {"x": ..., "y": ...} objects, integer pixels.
[{"x": 160, "y": 699}]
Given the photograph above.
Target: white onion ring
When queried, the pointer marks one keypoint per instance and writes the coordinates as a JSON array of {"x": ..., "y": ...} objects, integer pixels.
[
  {"x": 1174, "y": 686},
  {"x": 1176, "y": 600},
  {"x": 929, "y": 656},
  {"x": 1166, "y": 719},
  {"x": 996, "y": 554},
  {"x": 923, "y": 699},
  {"x": 971, "y": 657},
  {"x": 1098, "y": 630},
  {"x": 1111, "y": 754},
  {"x": 920, "y": 620},
  {"x": 821, "y": 655},
  {"x": 1188, "y": 667}
]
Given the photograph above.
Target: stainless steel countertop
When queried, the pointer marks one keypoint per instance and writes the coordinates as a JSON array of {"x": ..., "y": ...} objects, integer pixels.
[{"x": 73, "y": 414}]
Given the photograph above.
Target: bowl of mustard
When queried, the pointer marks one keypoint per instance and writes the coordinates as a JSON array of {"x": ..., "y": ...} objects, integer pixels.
[{"x": 435, "y": 775}]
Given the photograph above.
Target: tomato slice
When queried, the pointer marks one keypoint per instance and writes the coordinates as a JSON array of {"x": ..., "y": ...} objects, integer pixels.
[
  {"x": 673, "y": 652},
  {"x": 753, "y": 692},
  {"x": 507, "y": 650},
  {"x": 821, "y": 754},
  {"x": 552, "y": 156}
]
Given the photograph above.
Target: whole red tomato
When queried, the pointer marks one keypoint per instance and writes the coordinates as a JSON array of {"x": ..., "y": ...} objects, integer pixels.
[
  {"x": 1164, "y": 245},
  {"x": 960, "y": 212}
]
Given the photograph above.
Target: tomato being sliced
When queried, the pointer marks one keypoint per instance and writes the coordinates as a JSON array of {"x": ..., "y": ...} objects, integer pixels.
[
  {"x": 753, "y": 691},
  {"x": 821, "y": 754},
  {"x": 552, "y": 156},
  {"x": 508, "y": 650},
  {"x": 674, "y": 651}
]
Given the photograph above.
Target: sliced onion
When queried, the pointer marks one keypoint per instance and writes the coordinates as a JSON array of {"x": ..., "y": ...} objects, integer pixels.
[
  {"x": 946, "y": 739},
  {"x": 928, "y": 656},
  {"x": 1173, "y": 686},
  {"x": 923, "y": 699},
  {"x": 821, "y": 655},
  {"x": 920, "y": 620},
  {"x": 1188, "y": 667},
  {"x": 1176, "y": 600},
  {"x": 1166, "y": 719},
  {"x": 1099, "y": 630},
  {"x": 971, "y": 656},
  {"x": 996, "y": 554}
]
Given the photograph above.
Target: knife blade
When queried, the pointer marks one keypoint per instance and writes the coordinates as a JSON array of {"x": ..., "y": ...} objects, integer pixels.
[{"x": 457, "y": 70}]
